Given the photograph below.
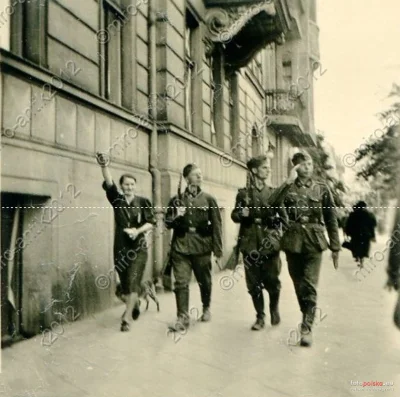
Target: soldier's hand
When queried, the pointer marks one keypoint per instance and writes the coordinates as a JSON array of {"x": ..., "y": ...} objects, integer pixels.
[
  {"x": 103, "y": 159},
  {"x": 218, "y": 262},
  {"x": 180, "y": 211},
  {"x": 335, "y": 258},
  {"x": 245, "y": 212},
  {"x": 293, "y": 174}
]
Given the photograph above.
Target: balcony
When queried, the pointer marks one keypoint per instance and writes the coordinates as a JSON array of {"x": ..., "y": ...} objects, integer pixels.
[
  {"x": 242, "y": 28},
  {"x": 285, "y": 112}
]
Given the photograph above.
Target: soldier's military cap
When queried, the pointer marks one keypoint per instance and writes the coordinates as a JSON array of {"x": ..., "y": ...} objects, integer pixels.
[
  {"x": 188, "y": 169},
  {"x": 300, "y": 157},
  {"x": 256, "y": 162}
]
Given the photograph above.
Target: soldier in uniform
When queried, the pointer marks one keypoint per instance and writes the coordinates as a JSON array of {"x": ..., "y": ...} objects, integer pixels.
[
  {"x": 259, "y": 237},
  {"x": 310, "y": 209},
  {"x": 196, "y": 222}
]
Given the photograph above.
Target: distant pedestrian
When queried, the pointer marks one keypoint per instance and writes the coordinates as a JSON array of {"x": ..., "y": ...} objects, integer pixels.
[
  {"x": 360, "y": 227},
  {"x": 197, "y": 233},
  {"x": 133, "y": 215}
]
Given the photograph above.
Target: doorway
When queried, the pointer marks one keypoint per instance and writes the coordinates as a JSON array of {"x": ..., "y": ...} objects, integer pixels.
[{"x": 11, "y": 267}]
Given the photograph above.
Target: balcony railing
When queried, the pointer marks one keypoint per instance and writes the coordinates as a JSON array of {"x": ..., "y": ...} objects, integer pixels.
[{"x": 282, "y": 102}]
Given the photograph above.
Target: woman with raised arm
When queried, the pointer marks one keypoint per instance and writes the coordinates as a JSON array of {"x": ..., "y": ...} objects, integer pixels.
[{"x": 134, "y": 216}]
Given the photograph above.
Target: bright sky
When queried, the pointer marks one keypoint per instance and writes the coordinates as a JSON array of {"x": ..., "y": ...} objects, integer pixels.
[{"x": 359, "y": 45}]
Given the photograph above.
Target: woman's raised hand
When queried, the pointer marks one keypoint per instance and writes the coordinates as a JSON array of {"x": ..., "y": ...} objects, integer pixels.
[{"x": 103, "y": 159}]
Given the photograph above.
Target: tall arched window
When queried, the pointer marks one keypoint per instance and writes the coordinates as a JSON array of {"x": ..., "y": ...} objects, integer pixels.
[{"x": 255, "y": 141}]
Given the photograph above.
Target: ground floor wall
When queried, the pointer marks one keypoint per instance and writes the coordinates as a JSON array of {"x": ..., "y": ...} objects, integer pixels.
[{"x": 64, "y": 254}]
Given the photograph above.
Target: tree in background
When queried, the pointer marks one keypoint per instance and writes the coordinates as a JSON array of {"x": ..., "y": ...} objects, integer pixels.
[
  {"x": 378, "y": 159},
  {"x": 323, "y": 168}
]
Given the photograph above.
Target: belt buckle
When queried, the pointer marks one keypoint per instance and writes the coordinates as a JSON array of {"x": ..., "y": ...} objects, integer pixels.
[
  {"x": 192, "y": 229},
  {"x": 257, "y": 221},
  {"x": 304, "y": 219}
]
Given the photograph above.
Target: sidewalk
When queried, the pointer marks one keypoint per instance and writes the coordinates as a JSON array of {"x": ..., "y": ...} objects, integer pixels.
[{"x": 355, "y": 339}]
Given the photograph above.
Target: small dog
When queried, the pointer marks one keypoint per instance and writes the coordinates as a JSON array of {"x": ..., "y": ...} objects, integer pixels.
[{"x": 148, "y": 289}]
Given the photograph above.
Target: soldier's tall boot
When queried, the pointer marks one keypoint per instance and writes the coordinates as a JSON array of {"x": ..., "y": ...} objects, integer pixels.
[
  {"x": 306, "y": 326},
  {"x": 182, "y": 305},
  {"x": 258, "y": 301},
  {"x": 274, "y": 308},
  {"x": 205, "y": 292}
]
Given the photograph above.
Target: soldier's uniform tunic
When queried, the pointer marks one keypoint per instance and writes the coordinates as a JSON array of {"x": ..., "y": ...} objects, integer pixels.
[
  {"x": 259, "y": 242},
  {"x": 310, "y": 208},
  {"x": 196, "y": 235}
]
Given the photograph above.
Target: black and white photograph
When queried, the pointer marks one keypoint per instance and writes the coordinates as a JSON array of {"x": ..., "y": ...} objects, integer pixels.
[{"x": 200, "y": 198}]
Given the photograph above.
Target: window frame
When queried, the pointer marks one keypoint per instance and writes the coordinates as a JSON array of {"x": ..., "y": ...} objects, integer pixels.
[{"x": 107, "y": 90}]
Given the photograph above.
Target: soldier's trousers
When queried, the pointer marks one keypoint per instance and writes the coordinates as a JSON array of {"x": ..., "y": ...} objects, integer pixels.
[
  {"x": 201, "y": 266},
  {"x": 304, "y": 270},
  {"x": 262, "y": 271}
]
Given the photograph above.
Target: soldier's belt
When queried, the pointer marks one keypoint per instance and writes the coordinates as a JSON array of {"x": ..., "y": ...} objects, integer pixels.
[
  {"x": 264, "y": 222},
  {"x": 305, "y": 219}
]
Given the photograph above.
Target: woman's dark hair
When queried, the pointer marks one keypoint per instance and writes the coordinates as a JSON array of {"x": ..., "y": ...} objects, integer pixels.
[
  {"x": 123, "y": 176},
  {"x": 360, "y": 205}
]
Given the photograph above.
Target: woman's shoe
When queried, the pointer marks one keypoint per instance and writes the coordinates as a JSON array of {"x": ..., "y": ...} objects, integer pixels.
[
  {"x": 136, "y": 311},
  {"x": 124, "y": 326}
]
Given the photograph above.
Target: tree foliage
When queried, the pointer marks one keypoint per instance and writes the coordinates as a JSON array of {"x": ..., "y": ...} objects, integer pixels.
[
  {"x": 379, "y": 158},
  {"x": 322, "y": 168}
]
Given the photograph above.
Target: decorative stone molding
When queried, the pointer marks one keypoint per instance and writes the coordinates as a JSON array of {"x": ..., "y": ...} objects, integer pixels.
[
  {"x": 209, "y": 47},
  {"x": 224, "y": 23}
]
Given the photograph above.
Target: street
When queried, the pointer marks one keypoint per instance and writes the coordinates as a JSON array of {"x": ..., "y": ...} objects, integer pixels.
[{"x": 354, "y": 340}]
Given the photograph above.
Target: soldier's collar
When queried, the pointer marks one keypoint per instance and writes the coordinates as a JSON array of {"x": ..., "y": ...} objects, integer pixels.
[
  {"x": 308, "y": 183},
  {"x": 195, "y": 194}
]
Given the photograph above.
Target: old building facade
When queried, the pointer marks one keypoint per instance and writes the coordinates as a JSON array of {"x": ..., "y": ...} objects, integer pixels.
[{"x": 156, "y": 84}]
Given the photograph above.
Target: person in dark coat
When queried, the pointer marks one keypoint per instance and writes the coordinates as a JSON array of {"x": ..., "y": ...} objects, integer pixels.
[
  {"x": 311, "y": 209},
  {"x": 134, "y": 216},
  {"x": 360, "y": 227},
  {"x": 259, "y": 239},
  {"x": 197, "y": 233}
]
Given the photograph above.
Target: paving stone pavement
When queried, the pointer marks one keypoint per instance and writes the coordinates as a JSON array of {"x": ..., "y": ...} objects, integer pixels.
[{"x": 355, "y": 340}]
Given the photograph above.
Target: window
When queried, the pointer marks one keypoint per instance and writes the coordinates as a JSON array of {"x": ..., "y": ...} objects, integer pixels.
[
  {"x": 190, "y": 46},
  {"x": 29, "y": 31},
  {"x": 113, "y": 52},
  {"x": 212, "y": 106},
  {"x": 255, "y": 141},
  {"x": 287, "y": 72}
]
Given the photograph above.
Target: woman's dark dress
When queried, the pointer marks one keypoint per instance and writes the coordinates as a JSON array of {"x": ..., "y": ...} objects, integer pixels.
[
  {"x": 361, "y": 228},
  {"x": 130, "y": 256}
]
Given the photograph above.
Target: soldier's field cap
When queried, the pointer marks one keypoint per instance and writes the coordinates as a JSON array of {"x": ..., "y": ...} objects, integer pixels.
[
  {"x": 301, "y": 156},
  {"x": 256, "y": 162},
  {"x": 188, "y": 169}
]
